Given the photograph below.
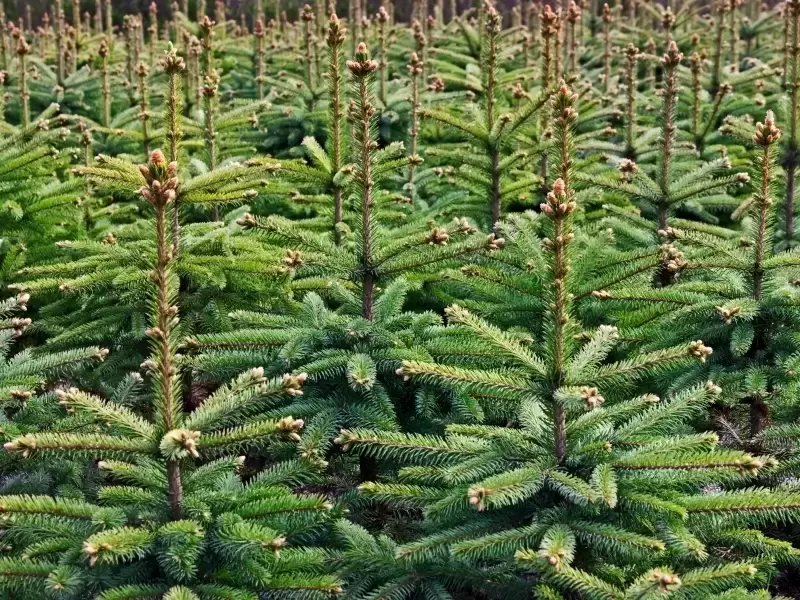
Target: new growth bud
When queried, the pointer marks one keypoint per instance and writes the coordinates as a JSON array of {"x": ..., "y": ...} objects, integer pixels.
[
  {"x": 767, "y": 133},
  {"x": 363, "y": 65},
  {"x": 699, "y": 351}
]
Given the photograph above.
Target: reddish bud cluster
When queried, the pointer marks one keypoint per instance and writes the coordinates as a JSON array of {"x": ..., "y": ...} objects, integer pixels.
[
  {"x": 415, "y": 65},
  {"x": 673, "y": 57},
  {"x": 573, "y": 13},
  {"x": 550, "y": 22},
  {"x": 767, "y": 133},
  {"x": 161, "y": 178},
  {"x": 363, "y": 65},
  {"x": 336, "y": 33},
  {"x": 558, "y": 204}
]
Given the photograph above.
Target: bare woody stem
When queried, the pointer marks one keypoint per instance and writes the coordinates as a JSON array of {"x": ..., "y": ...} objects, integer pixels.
[
  {"x": 383, "y": 19},
  {"x": 492, "y": 30},
  {"x": 787, "y": 49},
  {"x": 558, "y": 207},
  {"x": 153, "y": 32},
  {"x": 174, "y": 66},
  {"x": 791, "y": 158},
  {"x": 670, "y": 61},
  {"x": 207, "y": 29},
  {"x": 4, "y": 50},
  {"x": 2, "y": 98},
  {"x": 109, "y": 26},
  {"x": 317, "y": 62},
  {"x": 489, "y": 58},
  {"x": 60, "y": 44},
  {"x": 210, "y": 90},
  {"x": 696, "y": 65},
  {"x": 533, "y": 24},
  {"x": 130, "y": 52},
  {"x": 415, "y": 69},
  {"x": 76, "y": 19},
  {"x": 160, "y": 191},
  {"x": 355, "y": 24},
  {"x": 220, "y": 14},
  {"x": 25, "y": 96},
  {"x": 573, "y": 17},
  {"x": 258, "y": 32},
  {"x": 632, "y": 58},
  {"x": 667, "y": 23},
  {"x": 194, "y": 75},
  {"x": 144, "y": 105},
  {"x": 336, "y": 39},
  {"x": 557, "y": 53},
  {"x": 716, "y": 74},
  {"x": 307, "y": 16},
  {"x": 421, "y": 46},
  {"x": 86, "y": 143},
  {"x": 650, "y": 71},
  {"x": 766, "y": 137},
  {"x": 550, "y": 25},
  {"x": 733, "y": 33},
  {"x": 607, "y": 20},
  {"x": 98, "y": 17},
  {"x": 361, "y": 115},
  {"x": 106, "y": 86}
]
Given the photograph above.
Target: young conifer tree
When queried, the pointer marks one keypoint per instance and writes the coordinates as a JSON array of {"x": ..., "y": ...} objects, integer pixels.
[
  {"x": 25, "y": 372},
  {"x": 174, "y": 519},
  {"x": 38, "y": 204},
  {"x": 324, "y": 176},
  {"x": 491, "y": 166},
  {"x": 662, "y": 190},
  {"x": 570, "y": 473},
  {"x": 219, "y": 269},
  {"x": 350, "y": 353},
  {"x": 737, "y": 292}
]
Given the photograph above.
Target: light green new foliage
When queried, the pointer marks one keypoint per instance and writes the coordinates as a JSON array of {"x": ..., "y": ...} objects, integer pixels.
[
  {"x": 600, "y": 492},
  {"x": 22, "y": 373},
  {"x": 173, "y": 518}
]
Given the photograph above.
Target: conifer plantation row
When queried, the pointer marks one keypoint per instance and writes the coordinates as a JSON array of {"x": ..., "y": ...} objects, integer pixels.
[{"x": 400, "y": 301}]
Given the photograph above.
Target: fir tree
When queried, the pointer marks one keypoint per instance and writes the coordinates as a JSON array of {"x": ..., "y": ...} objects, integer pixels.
[
  {"x": 349, "y": 353},
  {"x": 174, "y": 520},
  {"x": 673, "y": 185},
  {"x": 491, "y": 163},
  {"x": 599, "y": 497},
  {"x": 738, "y": 296}
]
